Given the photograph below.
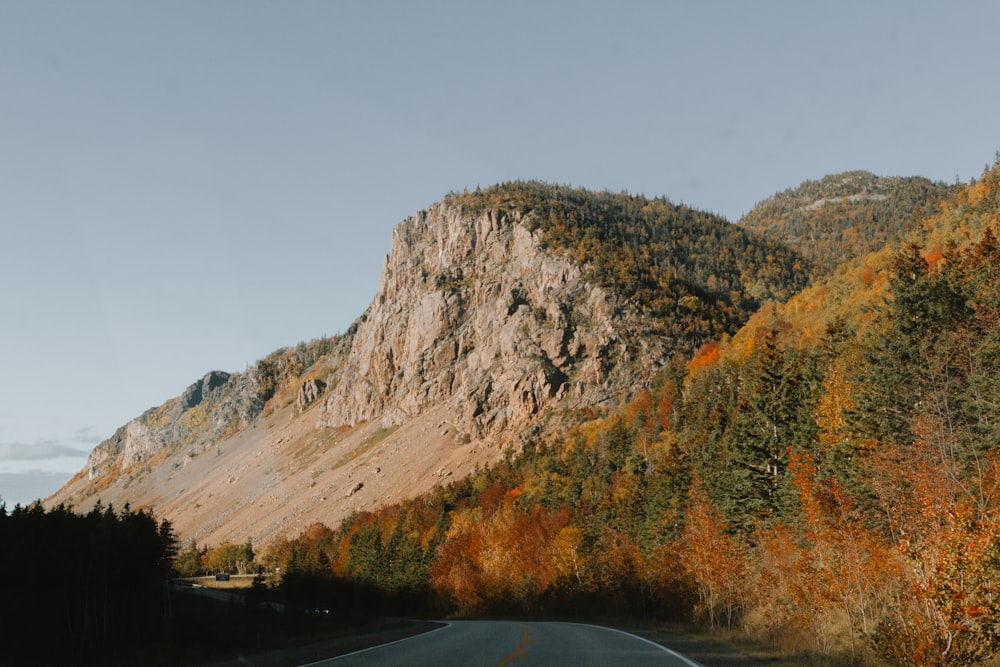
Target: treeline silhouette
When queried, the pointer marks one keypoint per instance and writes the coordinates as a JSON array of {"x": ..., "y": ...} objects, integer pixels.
[
  {"x": 95, "y": 589},
  {"x": 78, "y": 587}
]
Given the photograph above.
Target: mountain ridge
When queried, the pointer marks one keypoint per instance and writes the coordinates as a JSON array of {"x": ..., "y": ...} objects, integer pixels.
[{"x": 498, "y": 312}]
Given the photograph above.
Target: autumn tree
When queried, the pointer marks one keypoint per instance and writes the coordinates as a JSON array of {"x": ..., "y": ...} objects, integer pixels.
[
  {"x": 189, "y": 561},
  {"x": 945, "y": 528},
  {"x": 507, "y": 560},
  {"x": 823, "y": 574},
  {"x": 715, "y": 560},
  {"x": 228, "y": 558}
]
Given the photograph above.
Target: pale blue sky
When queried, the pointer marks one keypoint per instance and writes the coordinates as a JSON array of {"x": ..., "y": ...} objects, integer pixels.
[{"x": 187, "y": 186}]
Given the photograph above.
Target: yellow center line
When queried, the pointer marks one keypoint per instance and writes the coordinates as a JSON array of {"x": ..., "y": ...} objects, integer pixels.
[{"x": 520, "y": 647}]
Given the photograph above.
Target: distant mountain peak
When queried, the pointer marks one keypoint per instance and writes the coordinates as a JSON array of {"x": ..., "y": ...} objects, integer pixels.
[{"x": 842, "y": 216}]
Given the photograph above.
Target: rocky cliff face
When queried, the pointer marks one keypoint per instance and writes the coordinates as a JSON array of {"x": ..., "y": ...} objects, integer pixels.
[
  {"x": 209, "y": 409},
  {"x": 473, "y": 314}
]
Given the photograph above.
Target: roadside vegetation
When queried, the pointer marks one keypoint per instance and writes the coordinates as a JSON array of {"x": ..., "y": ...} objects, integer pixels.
[{"x": 79, "y": 588}]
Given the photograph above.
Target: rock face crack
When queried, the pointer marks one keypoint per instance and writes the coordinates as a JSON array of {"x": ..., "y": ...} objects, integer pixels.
[{"x": 309, "y": 393}]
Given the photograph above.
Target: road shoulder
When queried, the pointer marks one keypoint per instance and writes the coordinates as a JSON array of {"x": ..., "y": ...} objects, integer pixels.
[
  {"x": 302, "y": 655},
  {"x": 703, "y": 650}
]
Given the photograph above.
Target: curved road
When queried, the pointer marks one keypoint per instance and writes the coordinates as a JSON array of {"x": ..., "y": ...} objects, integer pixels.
[{"x": 514, "y": 644}]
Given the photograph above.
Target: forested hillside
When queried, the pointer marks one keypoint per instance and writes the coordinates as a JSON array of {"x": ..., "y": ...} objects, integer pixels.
[
  {"x": 847, "y": 215},
  {"x": 826, "y": 478},
  {"x": 698, "y": 276}
]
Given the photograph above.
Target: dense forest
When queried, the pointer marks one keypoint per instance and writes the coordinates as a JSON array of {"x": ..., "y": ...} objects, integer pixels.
[
  {"x": 844, "y": 216},
  {"x": 79, "y": 588},
  {"x": 826, "y": 479}
]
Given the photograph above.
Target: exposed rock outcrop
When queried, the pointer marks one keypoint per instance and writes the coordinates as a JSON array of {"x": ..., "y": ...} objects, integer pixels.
[
  {"x": 131, "y": 444},
  {"x": 209, "y": 408},
  {"x": 473, "y": 313},
  {"x": 309, "y": 392},
  {"x": 198, "y": 391}
]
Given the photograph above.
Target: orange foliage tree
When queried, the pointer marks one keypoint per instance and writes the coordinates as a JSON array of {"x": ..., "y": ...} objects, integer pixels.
[
  {"x": 715, "y": 560},
  {"x": 505, "y": 560},
  {"x": 824, "y": 574},
  {"x": 945, "y": 528}
]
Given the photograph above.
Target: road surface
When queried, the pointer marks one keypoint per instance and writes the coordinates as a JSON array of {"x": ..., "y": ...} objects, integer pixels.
[{"x": 515, "y": 644}]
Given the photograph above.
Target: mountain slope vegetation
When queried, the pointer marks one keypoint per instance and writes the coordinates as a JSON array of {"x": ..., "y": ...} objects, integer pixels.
[{"x": 846, "y": 215}]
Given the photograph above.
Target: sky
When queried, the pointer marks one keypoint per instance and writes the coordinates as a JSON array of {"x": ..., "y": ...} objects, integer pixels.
[{"x": 189, "y": 185}]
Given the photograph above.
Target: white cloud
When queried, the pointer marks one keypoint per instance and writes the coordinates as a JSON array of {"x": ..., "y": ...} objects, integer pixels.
[
  {"x": 87, "y": 436},
  {"x": 42, "y": 450}
]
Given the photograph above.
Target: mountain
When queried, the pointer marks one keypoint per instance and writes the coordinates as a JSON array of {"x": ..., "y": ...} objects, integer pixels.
[
  {"x": 500, "y": 314},
  {"x": 825, "y": 478},
  {"x": 823, "y": 475},
  {"x": 846, "y": 215}
]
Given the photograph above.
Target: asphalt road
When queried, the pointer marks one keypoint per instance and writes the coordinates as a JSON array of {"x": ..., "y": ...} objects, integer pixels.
[{"x": 515, "y": 644}]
